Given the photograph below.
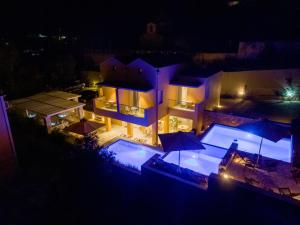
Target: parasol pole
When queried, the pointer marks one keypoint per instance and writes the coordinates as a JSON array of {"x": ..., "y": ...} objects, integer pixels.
[
  {"x": 179, "y": 162},
  {"x": 259, "y": 152}
]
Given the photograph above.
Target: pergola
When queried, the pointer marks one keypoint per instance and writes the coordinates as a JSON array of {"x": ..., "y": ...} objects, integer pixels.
[{"x": 49, "y": 104}]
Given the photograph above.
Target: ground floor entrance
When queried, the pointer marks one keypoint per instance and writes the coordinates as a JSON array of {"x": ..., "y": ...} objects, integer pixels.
[
  {"x": 143, "y": 134},
  {"x": 120, "y": 129}
]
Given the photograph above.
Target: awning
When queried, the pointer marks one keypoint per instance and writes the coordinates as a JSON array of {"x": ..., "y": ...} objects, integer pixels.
[{"x": 84, "y": 127}]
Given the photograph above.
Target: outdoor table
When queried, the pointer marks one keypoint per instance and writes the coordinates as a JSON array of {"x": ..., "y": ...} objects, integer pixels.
[
  {"x": 183, "y": 127},
  {"x": 134, "y": 109}
]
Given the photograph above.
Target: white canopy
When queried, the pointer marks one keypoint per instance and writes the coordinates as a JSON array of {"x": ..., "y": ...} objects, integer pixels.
[{"x": 48, "y": 103}]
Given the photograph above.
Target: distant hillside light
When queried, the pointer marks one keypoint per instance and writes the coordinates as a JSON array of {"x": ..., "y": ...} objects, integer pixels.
[{"x": 233, "y": 3}]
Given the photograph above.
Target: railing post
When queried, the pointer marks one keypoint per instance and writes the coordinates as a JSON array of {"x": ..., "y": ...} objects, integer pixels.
[{"x": 117, "y": 99}]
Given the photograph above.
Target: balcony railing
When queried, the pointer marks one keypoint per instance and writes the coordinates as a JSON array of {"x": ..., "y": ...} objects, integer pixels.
[
  {"x": 131, "y": 114},
  {"x": 132, "y": 110},
  {"x": 182, "y": 105},
  {"x": 102, "y": 103}
]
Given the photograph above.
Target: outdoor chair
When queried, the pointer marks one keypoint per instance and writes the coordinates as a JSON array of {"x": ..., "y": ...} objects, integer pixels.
[
  {"x": 249, "y": 164},
  {"x": 251, "y": 181},
  {"x": 285, "y": 191}
]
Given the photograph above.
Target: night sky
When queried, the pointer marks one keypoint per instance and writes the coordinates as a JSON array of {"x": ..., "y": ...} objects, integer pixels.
[{"x": 211, "y": 18}]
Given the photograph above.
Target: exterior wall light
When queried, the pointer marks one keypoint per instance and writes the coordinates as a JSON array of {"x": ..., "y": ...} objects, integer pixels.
[
  {"x": 241, "y": 93},
  {"x": 225, "y": 175}
]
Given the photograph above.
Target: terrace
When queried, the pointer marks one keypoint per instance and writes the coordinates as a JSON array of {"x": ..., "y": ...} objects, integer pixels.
[
  {"x": 182, "y": 105},
  {"x": 272, "y": 175},
  {"x": 274, "y": 172},
  {"x": 185, "y": 98},
  {"x": 109, "y": 105}
]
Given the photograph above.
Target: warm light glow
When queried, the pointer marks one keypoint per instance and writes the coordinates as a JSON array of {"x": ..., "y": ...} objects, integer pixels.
[
  {"x": 241, "y": 93},
  {"x": 61, "y": 115},
  {"x": 236, "y": 160},
  {"x": 233, "y": 3},
  {"x": 219, "y": 106},
  {"x": 225, "y": 175}
]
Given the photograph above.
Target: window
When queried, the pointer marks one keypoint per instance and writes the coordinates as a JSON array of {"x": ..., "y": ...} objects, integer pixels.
[
  {"x": 140, "y": 70},
  {"x": 114, "y": 68},
  {"x": 160, "y": 97}
]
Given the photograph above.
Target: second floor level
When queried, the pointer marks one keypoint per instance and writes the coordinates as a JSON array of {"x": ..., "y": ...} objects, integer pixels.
[{"x": 152, "y": 88}]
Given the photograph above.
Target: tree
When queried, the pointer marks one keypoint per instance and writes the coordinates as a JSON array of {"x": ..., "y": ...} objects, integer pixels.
[{"x": 88, "y": 143}]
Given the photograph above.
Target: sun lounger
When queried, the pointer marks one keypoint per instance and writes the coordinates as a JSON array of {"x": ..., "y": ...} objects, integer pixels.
[
  {"x": 296, "y": 175},
  {"x": 251, "y": 181}
]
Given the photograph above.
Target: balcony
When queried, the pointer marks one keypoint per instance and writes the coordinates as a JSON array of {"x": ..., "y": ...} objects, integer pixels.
[
  {"x": 102, "y": 103},
  {"x": 131, "y": 114},
  {"x": 182, "y": 105},
  {"x": 132, "y": 110}
]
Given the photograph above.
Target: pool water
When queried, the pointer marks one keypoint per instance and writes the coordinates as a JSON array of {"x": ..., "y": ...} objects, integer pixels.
[
  {"x": 131, "y": 154},
  {"x": 204, "y": 161},
  {"x": 223, "y": 136}
]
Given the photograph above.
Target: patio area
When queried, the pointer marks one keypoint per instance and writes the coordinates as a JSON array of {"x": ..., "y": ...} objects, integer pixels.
[{"x": 271, "y": 175}]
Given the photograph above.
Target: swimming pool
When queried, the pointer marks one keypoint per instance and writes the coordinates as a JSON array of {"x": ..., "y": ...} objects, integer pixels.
[
  {"x": 131, "y": 154},
  {"x": 204, "y": 161},
  {"x": 223, "y": 136}
]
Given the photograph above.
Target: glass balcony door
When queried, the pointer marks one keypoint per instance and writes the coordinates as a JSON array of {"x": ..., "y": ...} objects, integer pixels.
[
  {"x": 134, "y": 98},
  {"x": 182, "y": 94}
]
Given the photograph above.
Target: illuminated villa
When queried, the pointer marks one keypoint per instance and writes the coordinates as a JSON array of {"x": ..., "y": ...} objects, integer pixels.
[{"x": 143, "y": 98}]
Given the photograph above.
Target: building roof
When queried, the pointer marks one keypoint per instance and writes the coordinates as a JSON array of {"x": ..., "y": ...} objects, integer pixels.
[
  {"x": 63, "y": 94},
  {"x": 46, "y": 104},
  {"x": 127, "y": 85},
  {"x": 180, "y": 81}
]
